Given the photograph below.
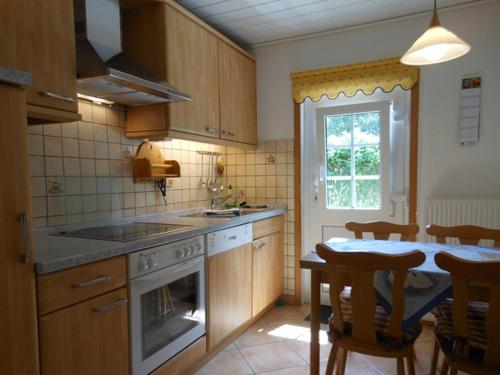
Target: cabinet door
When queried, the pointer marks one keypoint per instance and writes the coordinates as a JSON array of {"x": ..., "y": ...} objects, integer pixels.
[
  {"x": 38, "y": 37},
  {"x": 192, "y": 67},
  {"x": 267, "y": 254},
  {"x": 50, "y": 54},
  {"x": 18, "y": 330},
  {"x": 238, "y": 108},
  {"x": 87, "y": 338},
  {"x": 229, "y": 292}
]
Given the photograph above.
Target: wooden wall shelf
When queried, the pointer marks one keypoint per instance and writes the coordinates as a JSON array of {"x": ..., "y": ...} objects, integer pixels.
[{"x": 149, "y": 164}]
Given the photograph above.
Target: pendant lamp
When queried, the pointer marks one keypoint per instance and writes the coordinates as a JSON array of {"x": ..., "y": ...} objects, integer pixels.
[{"x": 435, "y": 46}]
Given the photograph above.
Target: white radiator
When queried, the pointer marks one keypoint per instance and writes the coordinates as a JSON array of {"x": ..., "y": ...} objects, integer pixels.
[{"x": 484, "y": 212}]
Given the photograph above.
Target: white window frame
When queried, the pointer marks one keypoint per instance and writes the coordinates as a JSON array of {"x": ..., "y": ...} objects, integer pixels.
[{"x": 383, "y": 107}]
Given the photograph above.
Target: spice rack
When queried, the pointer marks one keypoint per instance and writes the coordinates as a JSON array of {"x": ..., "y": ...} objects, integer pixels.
[{"x": 149, "y": 164}]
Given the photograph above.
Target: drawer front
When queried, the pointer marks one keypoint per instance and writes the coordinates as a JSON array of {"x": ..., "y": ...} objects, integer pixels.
[
  {"x": 64, "y": 288},
  {"x": 267, "y": 226},
  {"x": 188, "y": 359}
]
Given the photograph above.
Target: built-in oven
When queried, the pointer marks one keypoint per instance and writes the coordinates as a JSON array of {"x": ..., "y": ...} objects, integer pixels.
[{"x": 167, "y": 301}]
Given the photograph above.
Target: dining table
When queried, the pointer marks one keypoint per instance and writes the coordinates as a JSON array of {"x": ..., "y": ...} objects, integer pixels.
[{"x": 427, "y": 285}]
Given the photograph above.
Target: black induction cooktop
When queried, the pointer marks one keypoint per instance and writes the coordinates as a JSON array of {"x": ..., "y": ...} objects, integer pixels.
[{"x": 124, "y": 232}]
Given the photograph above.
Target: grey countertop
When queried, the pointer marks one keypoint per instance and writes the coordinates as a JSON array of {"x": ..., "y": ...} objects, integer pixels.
[{"x": 55, "y": 253}]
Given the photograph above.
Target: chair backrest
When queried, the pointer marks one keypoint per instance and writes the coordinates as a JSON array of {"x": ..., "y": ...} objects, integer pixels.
[
  {"x": 382, "y": 230},
  {"x": 466, "y": 234},
  {"x": 463, "y": 273},
  {"x": 359, "y": 268}
]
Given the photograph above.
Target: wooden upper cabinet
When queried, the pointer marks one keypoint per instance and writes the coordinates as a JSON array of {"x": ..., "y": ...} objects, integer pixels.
[
  {"x": 194, "y": 58},
  {"x": 180, "y": 51},
  {"x": 238, "y": 114},
  {"x": 42, "y": 42},
  {"x": 192, "y": 68}
]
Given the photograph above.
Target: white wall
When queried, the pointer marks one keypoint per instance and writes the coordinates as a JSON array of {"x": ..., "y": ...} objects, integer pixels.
[{"x": 445, "y": 169}]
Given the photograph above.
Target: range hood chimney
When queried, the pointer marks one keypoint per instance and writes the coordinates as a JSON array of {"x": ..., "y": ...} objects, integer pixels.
[{"x": 103, "y": 71}]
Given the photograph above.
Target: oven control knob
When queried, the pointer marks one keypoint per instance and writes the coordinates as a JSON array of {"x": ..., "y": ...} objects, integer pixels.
[
  {"x": 180, "y": 254},
  {"x": 187, "y": 251},
  {"x": 152, "y": 262},
  {"x": 141, "y": 265},
  {"x": 198, "y": 246},
  {"x": 193, "y": 249}
]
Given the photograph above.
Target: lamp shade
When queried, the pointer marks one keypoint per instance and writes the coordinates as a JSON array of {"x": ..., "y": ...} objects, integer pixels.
[{"x": 436, "y": 45}]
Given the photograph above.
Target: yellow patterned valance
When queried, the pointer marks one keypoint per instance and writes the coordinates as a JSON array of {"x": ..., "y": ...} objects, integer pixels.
[{"x": 349, "y": 79}]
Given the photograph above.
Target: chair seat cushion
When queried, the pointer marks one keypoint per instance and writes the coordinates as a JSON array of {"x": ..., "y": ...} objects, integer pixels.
[
  {"x": 476, "y": 323},
  {"x": 381, "y": 323}
]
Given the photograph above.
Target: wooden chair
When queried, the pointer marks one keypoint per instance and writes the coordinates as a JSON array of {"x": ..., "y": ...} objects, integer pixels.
[
  {"x": 466, "y": 234},
  {"x": 382, "y": 230},
  {"x": 360, "y": 325},
  {"x": 469, "y": 331}
]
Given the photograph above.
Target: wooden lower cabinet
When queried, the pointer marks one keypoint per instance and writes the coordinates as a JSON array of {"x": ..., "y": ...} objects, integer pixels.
[
  {"x": 267, "y": 269},
  {"x": 229, "y": 292},
  {"x": 90, "y": 337}
]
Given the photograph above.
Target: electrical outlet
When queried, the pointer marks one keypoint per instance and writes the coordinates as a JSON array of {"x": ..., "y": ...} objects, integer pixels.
[{"x": 168, "y": 184}]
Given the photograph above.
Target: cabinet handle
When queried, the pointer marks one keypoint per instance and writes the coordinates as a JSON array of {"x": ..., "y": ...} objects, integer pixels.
[
  {"x": 227, "y": 132},
  {"x": 232, "y": 238},
  {"x": 261, "y": 245},
  {"x": 212, "y": 130},
  {"x": 111, "y": 306},
  {"x": 52, "y": 95},
  {"x": 97, "y": 280},
  {"x": 23, "y": 218}
]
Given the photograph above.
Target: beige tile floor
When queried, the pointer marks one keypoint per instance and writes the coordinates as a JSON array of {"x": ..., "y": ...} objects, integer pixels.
[{"x": 278, "y": 344}]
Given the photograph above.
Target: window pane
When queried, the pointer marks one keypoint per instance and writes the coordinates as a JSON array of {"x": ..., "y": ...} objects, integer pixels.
[
  {"x": 338, "y": 194},
  {"x": 368, "y": 193},
  {"x": 339, "y": 162},
  {"x": 338, "y": 131},
  {"x": 366, "y": 127},
  {"x": 367, "y": 161}
]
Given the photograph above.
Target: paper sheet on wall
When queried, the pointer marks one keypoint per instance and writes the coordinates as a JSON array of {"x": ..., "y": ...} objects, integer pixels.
[{"x": 470, "y": 107}]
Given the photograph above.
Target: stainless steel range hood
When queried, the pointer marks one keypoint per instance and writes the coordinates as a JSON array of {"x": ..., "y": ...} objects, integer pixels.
[{"x": 103, "y": 71}]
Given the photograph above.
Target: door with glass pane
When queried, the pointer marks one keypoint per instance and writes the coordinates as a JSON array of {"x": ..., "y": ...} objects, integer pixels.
[
  {"x": 354, "y": 166},
  {"x": 167, "y": 313}
]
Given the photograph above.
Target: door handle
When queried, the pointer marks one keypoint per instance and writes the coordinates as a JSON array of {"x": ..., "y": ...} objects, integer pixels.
[
  {"x": 23, "y": 218},
  {"x": 211, "y": 130},
  {"x": 227, "y": 132},
  {"x": 393, "y": 213},
  {"x": 111, "y": 306},
  {"x": 53, "y": 95},
  {"x": 97, "y": 280}
]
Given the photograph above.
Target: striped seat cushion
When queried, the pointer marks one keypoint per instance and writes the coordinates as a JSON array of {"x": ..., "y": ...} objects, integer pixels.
[
  {"x": 381, "y": 323},
  {"x": 476, "y": 322}
]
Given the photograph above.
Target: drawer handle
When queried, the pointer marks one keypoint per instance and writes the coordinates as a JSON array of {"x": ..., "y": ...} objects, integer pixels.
[
  {"x": 97, "y": 280},
  {"x": 232, "y": 238},
  {"x": 111, "y": 306},
  {"x": 227, "y": 132},
  {"x": 53, "y": 95},
  {"x": 211, "y": 130},
  {"x": 24, "y": 220}
]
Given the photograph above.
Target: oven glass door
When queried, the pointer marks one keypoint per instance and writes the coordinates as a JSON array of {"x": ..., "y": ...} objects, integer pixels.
[{"x": 168, "y": 313}]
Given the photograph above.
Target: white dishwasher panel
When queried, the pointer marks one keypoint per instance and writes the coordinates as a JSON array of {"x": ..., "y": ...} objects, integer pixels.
[{"x": 227, "y": 239}]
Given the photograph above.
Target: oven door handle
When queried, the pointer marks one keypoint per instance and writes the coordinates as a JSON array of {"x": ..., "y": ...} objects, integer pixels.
[{"x": 170, "y": 273}]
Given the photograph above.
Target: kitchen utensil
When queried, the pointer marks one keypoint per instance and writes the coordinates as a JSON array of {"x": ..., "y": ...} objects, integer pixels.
[{"x": 202, "y": 182}]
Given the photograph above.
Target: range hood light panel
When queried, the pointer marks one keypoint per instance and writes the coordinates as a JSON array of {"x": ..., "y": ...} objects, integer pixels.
[{"x": 95, "y": 99}]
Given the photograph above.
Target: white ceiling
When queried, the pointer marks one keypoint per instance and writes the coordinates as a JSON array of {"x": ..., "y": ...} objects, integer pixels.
[{"x": 251, "y": 22}]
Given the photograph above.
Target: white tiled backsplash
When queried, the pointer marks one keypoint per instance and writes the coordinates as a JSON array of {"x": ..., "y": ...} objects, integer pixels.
[{"x": 80, "y": 172}]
